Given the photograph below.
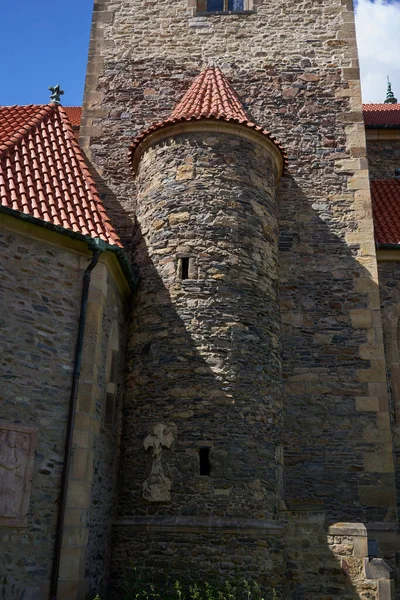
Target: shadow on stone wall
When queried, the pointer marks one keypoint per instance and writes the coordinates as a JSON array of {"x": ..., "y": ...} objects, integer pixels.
[
  {"x": 328, "y": 441},
  {"x": 120, "y": 218},
  {"x": 220, "y": 527},
  {"x": 326, "y": 302}
]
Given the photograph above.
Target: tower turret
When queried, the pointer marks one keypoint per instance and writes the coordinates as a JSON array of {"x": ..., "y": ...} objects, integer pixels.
[{"x": 205, "y": 398}]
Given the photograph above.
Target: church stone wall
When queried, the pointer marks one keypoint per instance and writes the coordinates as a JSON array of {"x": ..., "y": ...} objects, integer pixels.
[
  {"x": 40, "y": 299},
  {"x": 294, "y": 66},
  {"x": 91, "y": 500},
  {"x": 389, "y": 284},
  {"x": 105, "y": 450},
  {"x": 40, "y": 291},
  {"x": 383, "y": 158}
]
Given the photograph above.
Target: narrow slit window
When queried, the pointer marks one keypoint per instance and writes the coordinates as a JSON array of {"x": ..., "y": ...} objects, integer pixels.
[
  {"x": 185, "y": 267},
  {"x": 205, "y": 465},
  {"x": 113, "y": 366},
  {"x": 109, "y": 413}
]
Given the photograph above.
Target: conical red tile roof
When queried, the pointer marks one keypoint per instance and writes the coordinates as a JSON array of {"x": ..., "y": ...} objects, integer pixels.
[
  {"x": 43, "y": 172},
  {"x": 210, "y": 96}
]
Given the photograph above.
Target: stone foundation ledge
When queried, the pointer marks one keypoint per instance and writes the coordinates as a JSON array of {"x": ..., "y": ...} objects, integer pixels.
[
  {"x": 383, "y": 527},
  {"x": 350, "y": 529},
  {"x": 200, "y": 524}
]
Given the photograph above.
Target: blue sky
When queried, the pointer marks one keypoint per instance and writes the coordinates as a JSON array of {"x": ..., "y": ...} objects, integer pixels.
[
  {"x": 44, "y": 43},
  {"x": 47, "y": 43},
  {"x": 378, "y": 35}
]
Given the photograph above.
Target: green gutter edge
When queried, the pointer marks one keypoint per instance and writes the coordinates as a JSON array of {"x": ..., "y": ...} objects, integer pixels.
[
  {"x": 397, "y": 126},
  {"x": 131, "y": 276},
  {"x": 388, "y": 246}
]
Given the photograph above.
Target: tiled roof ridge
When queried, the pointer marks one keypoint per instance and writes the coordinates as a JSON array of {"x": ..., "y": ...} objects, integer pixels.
[
  {"x": 43, "y": 111},
  {"x": 79, "y": 155},
  {"x": 381, "y": 115},
  {"x": 86, "y": 175},
  {"x": 210, "y": 97},
  {"x": 380, "y": 105}
]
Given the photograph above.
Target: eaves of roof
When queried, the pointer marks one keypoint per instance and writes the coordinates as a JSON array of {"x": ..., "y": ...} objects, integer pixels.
[
  {"x": 210, "y": 98},
  {"x": 131, "y": 276},
  {"x": 383, "y": 126}
]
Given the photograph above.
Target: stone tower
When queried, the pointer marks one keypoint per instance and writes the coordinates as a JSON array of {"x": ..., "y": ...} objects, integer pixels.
[
  {"x": 205, "y": 380},
  {"x": 255, "y": 367}
]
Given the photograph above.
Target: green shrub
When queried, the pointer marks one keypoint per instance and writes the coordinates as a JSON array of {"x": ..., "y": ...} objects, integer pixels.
[{"x": 138, "y": 589}]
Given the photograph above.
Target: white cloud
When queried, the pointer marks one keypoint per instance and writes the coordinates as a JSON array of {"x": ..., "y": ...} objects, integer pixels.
[{"x": 378, "y": 36}]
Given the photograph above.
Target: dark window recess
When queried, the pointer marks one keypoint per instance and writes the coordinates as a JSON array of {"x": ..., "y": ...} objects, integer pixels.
[
  {"x": 146, "y": 349},
  {"x": 185, "y": 267},
  {"x": 114, "y": 366},
  {"x": 224, "y": 5},
  {"x": 109, "y": 410},
  {"x": 205, "y": 466}
]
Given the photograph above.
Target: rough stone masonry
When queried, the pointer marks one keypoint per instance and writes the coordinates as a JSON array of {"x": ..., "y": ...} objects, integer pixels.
[{"x": 295, "y": 69}]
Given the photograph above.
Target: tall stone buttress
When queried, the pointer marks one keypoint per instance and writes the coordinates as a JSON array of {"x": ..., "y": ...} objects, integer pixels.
[{"x": 226, "y": 390}]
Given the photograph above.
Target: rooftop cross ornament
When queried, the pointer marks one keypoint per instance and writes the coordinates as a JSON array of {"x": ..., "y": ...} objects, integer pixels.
[
  {"x": 390, "y": 99},
  {"x": 157, "y": 488},
  {"x": 56, "y": 92}
]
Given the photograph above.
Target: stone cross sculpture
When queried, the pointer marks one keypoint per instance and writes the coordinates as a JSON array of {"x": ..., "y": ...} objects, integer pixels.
[
  {"x": 157, "y": 488},
  {"x": 56, "y": 92}
]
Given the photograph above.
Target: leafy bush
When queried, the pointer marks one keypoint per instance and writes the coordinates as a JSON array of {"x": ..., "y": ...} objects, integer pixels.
[{"x": 137, "y": 589}]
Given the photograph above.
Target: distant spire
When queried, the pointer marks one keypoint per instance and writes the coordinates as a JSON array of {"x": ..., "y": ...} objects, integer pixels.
[
  {"x": 56, "y": 92},
  {"x": 390, "y": 99}
]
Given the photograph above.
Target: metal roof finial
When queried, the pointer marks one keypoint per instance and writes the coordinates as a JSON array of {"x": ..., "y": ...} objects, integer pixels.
[
  {"x": 390, "y": 99},
  {"x": 56, "y": 92}
]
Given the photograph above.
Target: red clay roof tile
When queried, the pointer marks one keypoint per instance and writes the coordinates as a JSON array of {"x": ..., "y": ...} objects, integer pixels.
[
  {"x": 43, "y": 172},
  {"x": 386, "y": 210},
  {"x": 209, "y": 97},
  {"x": 381, "y": 115},
  {"x": 74, "y": 114}
]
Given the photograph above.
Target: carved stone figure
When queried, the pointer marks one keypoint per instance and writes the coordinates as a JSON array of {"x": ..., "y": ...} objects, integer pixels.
[
  {"x": 16, "y": 464},
  {"x": 157, "y": 488}
]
